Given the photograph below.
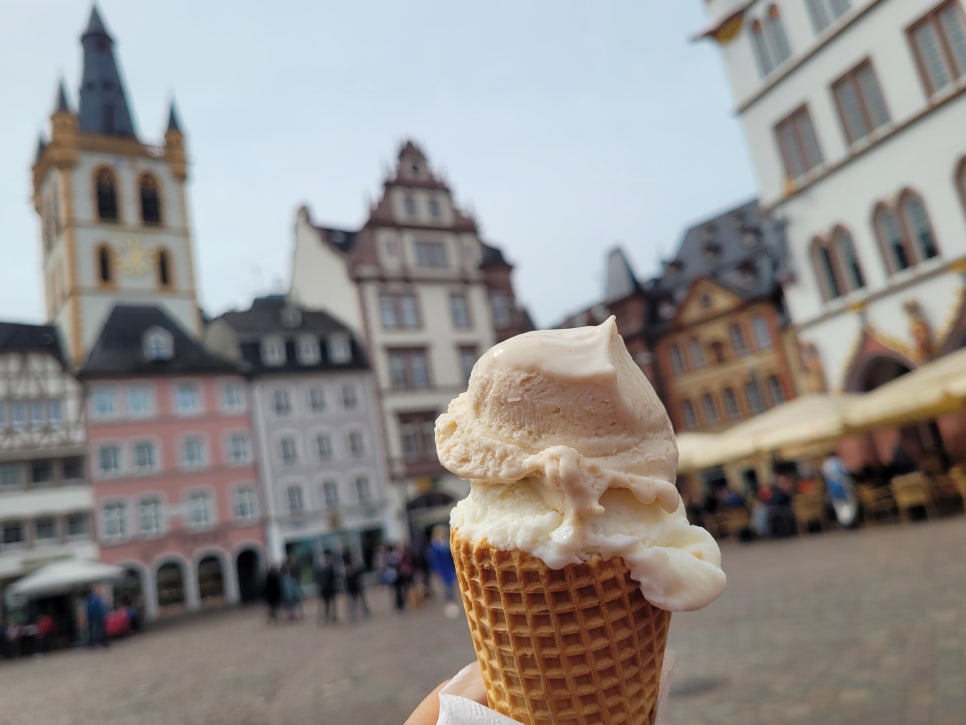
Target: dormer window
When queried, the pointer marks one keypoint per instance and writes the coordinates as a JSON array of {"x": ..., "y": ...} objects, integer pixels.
[
  {"x": 340, "y": 351},
  {"x": 158, "y": 344},
  {"x": 751, "y": 237},
  {"x": 675, "y": 266},
  {"x": 415, "y": 169},
  {"x": 291, "y": 316},
  {"x": 434, "y": 208},
  {"x": 712, "y": 250},
  {"x": 409, "y": 206},
  {"x": 273, "y": 351},
  {"x": 308, "y": 350},
  {"x": 747, "y": 275}
]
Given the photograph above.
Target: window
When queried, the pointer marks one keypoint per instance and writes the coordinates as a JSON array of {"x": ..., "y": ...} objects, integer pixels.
[
  {"x": 760, "y": 48},
  {"x": 3, "y": 415},
  {"x": 357, "y": 444},
  {"x": 731, "y": 404},
  {"x": 109, "y": 459},
  {"x": 828, "y": 278},
  {"x": 762, "y": 334},
  {"x": 677, "y": 360},
  {"x": 696, "y": 353},
  {"x": 500, "y": 304},
  {"x": 859, "y": 99},
  {"x": 775, "y": 35},
  {"x": 36, "y": 414},
  {"x": 114, "y": 520},
  {"x": 145, "y": 460},
  {"x": 106, "y": 196},
  {"x": 398, "y": 311},
  {"x": 408, "y": 369},
  {"x": 13, "y": 534},
  {"x": 73, "y": 469},
  {"x": 193, "y": 452},
  {"x": 842, "y": 242},
  {"x": 330, "y": 493},
  {"x": 323, "y": 446},
  {"x": 45, "y": 528},
  {"x": 709, "y": 408},
  {"x": 775, "y": 390},
  {"x": 431, "y": 255},
  {"x": 890, "y": 239},
  {"x": 11, "y": 476},
  {"x": 823, "y": 12},
  {"x": 409, "y": 206},
  {"x": 287, "y": 451},
  {"x": 232, "y": 397},
  {"x": 468, "y": 356},
  {"x": 199, "y": 510},
  {"x": 245, "y": 504},
  {"x": 273, "y": 351},
  {"x": 280, "y": 402},
  {"x": 140, "y": 401},
  {"x": 150, "y": 203},
  {"x": 238, "y": 448},
  {"x": 417, "y": 432},
  {"x": 165, "y": 278},
  {"x": 41, "y": 473},
  {"x": 18, "y": 415},
  {"x": 798, "y": 144},
  {"x": 349, "y": 398},
  {"x": 296, "y": 503},
  {"x": 718, "y": 352},
  {"x": 187, "y": 398},
  {"x": 459, "y": 310},
  {"x": 690, "y": 418},
  {"x": 738, "y": 343},
  {"x": 340, "y": 349},
  {"x": 916, "y": 223},
  {"x": 149, "y": 516},
  {"x": 434, "y": 208},
  {"x": 939, "y": 44},
  {"x": 308, "y": 350},
  {"x": 105, "y": 265},
  {"x": 102, "y": 403},
  {"x": 317, "y": 400},
  {"x": 363, "y": 492},
  {"x": 77, "y": 525},
  {"x": 753, "y": 395}
]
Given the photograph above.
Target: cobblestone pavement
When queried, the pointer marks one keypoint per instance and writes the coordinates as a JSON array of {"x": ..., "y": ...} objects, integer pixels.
[{"x": 847, "y": 627}]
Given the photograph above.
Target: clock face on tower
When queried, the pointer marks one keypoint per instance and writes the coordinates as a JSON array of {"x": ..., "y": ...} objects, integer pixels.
[{"x": 136, "y": 259}]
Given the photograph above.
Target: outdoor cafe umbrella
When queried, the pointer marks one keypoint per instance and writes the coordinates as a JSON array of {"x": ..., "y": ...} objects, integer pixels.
[
  {"x": 932, "y": 389},
  {"x": 59, "y": 577},
  {"x": 691, "y": 450}
]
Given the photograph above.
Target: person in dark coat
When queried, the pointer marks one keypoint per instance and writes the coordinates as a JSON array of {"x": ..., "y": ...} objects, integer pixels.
[
  {"x": 273, "y": 592},
  {"x": 328, "y": 586},
  {"x": 353, "y": 585},
  {"x": 96, "y": 620}
]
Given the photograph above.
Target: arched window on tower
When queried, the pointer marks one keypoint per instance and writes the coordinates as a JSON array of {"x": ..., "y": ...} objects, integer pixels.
[
  {"x": 150, "y": 201},
  {"x": 848, "y": 260},
  {"x": 826, "y": 270},
  {"x": 775, "y": 33},
  {"x": 105, "y": 265},
  {"x": 106, "y": 196},
  {"x": 891, "y": 240},
  {"x": 165, "y": 277},
  {"x": 917, "y": 226},
  {"x": 760, "y": 48}
]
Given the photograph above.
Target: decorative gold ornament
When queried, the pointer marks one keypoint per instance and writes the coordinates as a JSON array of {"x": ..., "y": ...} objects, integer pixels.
[{"x": 136, "y": 259}]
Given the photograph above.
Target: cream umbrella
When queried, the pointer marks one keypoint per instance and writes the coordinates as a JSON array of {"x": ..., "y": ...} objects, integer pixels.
[{"x": 692, "y": 450}]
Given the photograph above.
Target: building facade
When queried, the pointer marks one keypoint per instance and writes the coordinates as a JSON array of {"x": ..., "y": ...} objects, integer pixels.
[
  {"x": 113, "y": 209},
  {"x": 176, "y": 491},
  {"x": 427, "y": 296},
  {"x": 318, "y": 430},
  {"x": 853, "y": 112},
  {"x": 45, "y": 495}
]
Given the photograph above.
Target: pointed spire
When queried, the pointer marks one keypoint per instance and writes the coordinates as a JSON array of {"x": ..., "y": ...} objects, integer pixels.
[
  {"x": 174, "y": 122},
  {"x": 41, "y": 146},
  {"x": 103, "y": 104},
  {"x": 62, "y": 105}
]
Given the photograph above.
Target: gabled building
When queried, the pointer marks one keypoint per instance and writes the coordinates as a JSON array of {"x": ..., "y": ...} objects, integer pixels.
[
  {"x": 318, "y": 429},
  {"x": 172, "y": 464},
  {"x": 427, "y": 296},
  {"x": 45, "y": 496},
  {"x": 113, "y": 209}
]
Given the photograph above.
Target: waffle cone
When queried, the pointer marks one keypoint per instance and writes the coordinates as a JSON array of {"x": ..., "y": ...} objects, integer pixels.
[{"x": 579, "y": 644}]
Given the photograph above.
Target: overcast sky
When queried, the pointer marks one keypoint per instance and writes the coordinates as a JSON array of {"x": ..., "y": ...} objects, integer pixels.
[{"x": 566, "y": 126}]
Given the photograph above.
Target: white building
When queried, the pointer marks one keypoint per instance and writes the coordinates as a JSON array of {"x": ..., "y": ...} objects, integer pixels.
[
  {"x": 428, "y": 297},
  {"x": 317, "y": 426},
  {"x": 45, "y": 497},
  {"x": 854, "y": 113}
]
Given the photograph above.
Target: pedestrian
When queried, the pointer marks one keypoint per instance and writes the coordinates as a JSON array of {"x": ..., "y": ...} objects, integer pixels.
[
  {"x": 96, "y": 619},
  {"x": 328, "y": 586},
  {"x": 401, "y": 566},
  {"x": 273, "y": 592},
  {"x": 781, "y": 517},
  {"x": 354, "y": 585},
  {"x": 441, "y": 558},
  {"x": 841, "y": 491},
  {"x": 291, "y": 593}
]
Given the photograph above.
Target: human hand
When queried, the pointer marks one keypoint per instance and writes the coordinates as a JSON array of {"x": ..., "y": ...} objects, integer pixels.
[{"x": 470, "y": 686}]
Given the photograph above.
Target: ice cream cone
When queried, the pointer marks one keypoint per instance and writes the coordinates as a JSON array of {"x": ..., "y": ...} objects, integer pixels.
[{"x": 579, "y": 644}]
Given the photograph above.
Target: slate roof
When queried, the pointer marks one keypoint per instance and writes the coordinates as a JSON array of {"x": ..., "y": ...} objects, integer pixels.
[
  {"x": 493, "y": 257},
  {"x": 103, "y": 106},
  {"x": 268, "y": 317},
  {"x": 119, "y": 350},
  {"x": 23, "y": 337}
]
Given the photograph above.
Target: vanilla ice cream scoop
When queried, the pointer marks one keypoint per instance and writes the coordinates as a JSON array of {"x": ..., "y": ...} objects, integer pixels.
[{"x": 570, "y": 454}]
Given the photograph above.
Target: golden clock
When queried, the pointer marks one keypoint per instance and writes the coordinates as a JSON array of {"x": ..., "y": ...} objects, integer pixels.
[{"x": 136, "y": 259}]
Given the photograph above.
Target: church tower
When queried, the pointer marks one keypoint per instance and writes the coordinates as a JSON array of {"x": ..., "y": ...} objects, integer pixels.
[{"x": 113, "y": 209}]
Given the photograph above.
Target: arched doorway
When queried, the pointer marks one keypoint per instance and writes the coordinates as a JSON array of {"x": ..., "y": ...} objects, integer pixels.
[
  {"x": 247, "y": 566},
  {"x": 171, "y": 588},
  {"x": 211, "y": 581},
  {"x": 129, "y": 590}
]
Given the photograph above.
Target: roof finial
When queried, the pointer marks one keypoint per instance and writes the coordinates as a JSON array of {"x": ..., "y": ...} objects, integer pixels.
[{"x": 62, "y": 105}]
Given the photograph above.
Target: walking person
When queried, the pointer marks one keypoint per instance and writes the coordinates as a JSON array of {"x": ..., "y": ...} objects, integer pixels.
[
  {"x": 273, "y": 592},
  {"x": 96, "y": 620},
  {"x": 354, "y": 586},
  {"x": 328, "y": 586},
  {"x": 291, "y": 594},
  {"x": 400, "y": 563},
  {"x": 441, "y": 559},
  {"x": 841, "y": 491}
]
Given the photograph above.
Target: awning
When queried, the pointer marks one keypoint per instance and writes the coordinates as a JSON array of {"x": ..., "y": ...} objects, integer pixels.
[
  {"x": 692, "y": 449},
  {"x": 60, "y": 577}
]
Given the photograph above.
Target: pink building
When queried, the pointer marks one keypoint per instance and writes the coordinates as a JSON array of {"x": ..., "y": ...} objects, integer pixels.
[{"x": 176, "y": 493}]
